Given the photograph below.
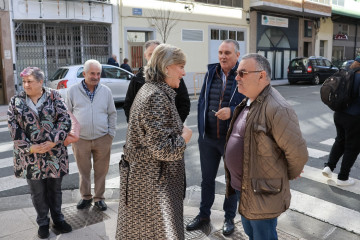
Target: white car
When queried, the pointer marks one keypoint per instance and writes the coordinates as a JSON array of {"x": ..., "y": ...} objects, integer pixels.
[{"x": 117, "y": 79}]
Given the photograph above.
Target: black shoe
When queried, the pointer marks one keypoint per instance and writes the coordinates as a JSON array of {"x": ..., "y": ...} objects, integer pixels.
[
  {"x": 62, "y": 227},
  {"x": 101, "y": 205},
  {"x": 197, "y": 223},
  {"x": 84, "y": 203},
  {"x": 43, "y": 232},
  {"x": 228, "y": 227}
]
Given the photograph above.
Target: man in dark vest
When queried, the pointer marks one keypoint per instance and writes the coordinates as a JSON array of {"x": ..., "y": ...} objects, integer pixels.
[{"x": 217, "y": 101}]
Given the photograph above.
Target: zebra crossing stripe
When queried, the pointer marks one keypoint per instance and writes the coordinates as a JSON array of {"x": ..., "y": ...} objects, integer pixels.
[
  {"x": 325, "y": 211},
  {"x": 11, "y": 182},
  {"x": 328, "y": 142}
]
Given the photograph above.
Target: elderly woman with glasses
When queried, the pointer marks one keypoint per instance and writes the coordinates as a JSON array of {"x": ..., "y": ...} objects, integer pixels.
[
  {"x": 152, "y": 170},
  {"x": 39, "y": 123}
]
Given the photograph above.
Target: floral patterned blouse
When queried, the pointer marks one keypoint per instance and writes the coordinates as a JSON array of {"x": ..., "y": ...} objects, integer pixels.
[{"x": 52, "y": 123}]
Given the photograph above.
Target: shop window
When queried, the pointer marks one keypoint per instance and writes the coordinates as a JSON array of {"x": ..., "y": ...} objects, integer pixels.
[
  {"x": 308, "y": 25},
  {"x": 274, "y": 37}
]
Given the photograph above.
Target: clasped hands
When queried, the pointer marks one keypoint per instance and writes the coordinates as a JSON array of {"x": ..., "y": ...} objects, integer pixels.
[{"x": 42, "y": 147}]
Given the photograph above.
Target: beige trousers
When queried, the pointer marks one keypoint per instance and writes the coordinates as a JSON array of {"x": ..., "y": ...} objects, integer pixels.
[{"x": 100, "y": 150}]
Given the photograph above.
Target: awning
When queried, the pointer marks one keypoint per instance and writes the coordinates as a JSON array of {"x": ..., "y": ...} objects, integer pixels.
[{"x": 345, "y": 12}]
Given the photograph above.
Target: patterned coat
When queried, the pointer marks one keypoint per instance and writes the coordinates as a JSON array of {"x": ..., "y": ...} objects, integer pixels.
[
  {"x": 26, "y": 128},
  {"x": 152, "y": 171}
]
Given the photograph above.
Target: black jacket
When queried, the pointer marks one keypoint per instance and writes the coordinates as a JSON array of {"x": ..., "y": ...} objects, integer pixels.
[{"x": 182, "y": 100}]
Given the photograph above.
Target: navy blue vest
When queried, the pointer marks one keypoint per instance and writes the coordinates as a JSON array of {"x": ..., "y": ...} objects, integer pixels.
[{"x": 218, "y": 98}]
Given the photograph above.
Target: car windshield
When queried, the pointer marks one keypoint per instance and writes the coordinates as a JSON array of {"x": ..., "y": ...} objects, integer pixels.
[{"x": 59, "y": 74}]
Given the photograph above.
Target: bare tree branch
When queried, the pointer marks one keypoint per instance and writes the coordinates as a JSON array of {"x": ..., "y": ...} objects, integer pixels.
[{"x": 164, "y": 21}]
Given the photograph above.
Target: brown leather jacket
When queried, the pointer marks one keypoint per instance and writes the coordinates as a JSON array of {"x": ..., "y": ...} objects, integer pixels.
[{"x": 274, "y": 153}]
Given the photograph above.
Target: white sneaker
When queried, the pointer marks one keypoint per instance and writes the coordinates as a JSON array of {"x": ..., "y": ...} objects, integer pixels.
[
  {"x": 327, "y": 172},
  {"x": 345, "y": 183}
]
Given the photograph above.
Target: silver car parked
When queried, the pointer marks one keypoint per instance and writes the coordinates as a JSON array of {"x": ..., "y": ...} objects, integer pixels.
[{"x": 117, "y": 79}]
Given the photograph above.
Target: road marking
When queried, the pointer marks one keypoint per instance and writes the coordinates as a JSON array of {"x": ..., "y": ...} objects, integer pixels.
[
  {"x": 313, "y": 125},
  {"x": 325, "y": 211},
  {"x": 5, "y": 129},
  {"x": 314, "y": 153},
  {"x": 3, "y": 123},
  {"x": 11, "y": 182},
  {"x": 292, "y": 103},
  {"x": 328, "y": 142}
]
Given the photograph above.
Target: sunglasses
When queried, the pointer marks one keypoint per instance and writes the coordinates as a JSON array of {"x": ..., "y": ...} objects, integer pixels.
[{"x": 241, "y": 73}]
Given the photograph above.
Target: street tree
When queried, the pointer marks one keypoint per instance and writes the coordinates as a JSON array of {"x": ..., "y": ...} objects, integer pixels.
[{"x": 164, "y": 21}]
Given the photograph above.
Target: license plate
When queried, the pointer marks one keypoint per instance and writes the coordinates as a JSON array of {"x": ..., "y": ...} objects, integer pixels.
[{"x": 297, "y": 71}]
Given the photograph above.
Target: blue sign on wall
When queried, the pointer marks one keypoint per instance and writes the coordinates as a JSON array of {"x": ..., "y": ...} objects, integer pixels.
[{"x": 137, "y": 11}]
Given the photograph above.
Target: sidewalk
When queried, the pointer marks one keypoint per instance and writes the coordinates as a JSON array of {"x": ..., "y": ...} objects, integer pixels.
[{"x": 17, "y": 217}]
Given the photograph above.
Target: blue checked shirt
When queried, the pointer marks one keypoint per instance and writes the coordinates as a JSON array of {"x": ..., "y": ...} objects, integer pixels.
[{"x": 90, "y": 94}]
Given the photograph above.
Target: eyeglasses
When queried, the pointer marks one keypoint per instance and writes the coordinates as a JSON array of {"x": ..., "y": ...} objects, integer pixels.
[{"x": 241, "y": 73}]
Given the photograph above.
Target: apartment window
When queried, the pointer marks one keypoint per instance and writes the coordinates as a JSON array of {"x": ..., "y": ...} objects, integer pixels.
[
  {"x": 308, "y": 25},
  {"x": 322, "y": 47},
  {"x": 327, "y": 2},
  {"x": 340, "y": 3},
  {"x": 342, "y": 29},
  {"x": 215, "y": 34},
  {"x": 229, "y": 3}
]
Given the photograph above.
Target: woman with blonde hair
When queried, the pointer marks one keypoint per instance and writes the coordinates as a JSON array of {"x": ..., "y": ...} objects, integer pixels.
[
  {"x": 152, "y": 169},
  {"x": 347, "y": 144}
]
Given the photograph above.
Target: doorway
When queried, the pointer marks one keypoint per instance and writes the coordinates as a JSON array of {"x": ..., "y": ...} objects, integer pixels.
[{"x": 307, "y": 49}]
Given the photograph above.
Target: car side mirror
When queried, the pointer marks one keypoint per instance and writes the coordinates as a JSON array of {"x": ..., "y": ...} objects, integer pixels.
[{"x": 129, "y": 77}]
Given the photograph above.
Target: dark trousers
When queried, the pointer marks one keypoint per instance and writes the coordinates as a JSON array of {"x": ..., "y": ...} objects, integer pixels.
[
  {"x": 211, "y": 151},
  {"x": 46, "y": 195},
  {"x": 347, "y": 143}
]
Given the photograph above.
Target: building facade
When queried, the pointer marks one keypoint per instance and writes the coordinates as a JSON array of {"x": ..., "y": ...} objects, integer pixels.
[
  {"x": 198, "y": 28},
  {"x": 7, "y": 88},
  {"x": 346, "y": 30},
  {"x": 49, "y": 34},
  {"x": 282, "y": 30}
]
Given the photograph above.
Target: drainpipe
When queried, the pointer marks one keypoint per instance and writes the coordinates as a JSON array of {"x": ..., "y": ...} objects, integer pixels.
[
  {"x": 121, "y": 36},
  {"x": 356, "y": 29}
]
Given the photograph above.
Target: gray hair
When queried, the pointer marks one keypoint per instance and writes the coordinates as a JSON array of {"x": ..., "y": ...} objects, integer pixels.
[
  {"x": 91, "y": 62},
  {"x": 36, "y": 72},
  {"x": 163, "y": 56},
  {"x": 261, "y": 63},
  {"x": 236, "y": 44},
  {"x": 151, "y": 42}
]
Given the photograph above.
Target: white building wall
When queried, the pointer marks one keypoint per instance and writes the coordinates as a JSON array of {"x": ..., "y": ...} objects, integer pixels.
[{"x": 201, "y": 17}]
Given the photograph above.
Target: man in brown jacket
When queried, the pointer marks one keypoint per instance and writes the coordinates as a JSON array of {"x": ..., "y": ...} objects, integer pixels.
[{"x": 264, "y": 150}]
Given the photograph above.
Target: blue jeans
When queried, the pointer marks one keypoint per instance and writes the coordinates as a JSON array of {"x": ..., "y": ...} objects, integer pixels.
[
  {"x": 211, "y": 151},
  {"x": 259, "y": 229},
  {"x": 46, "y": 195}
]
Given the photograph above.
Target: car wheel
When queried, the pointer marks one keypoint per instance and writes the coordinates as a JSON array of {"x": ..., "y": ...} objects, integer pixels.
[
  {"x": 291, "y": 82},
  {"x": 316, "y": 80}
]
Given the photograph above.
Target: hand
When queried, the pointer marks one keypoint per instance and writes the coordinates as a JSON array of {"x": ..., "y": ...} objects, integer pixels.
[
  {"x": 299, "y": 175},
  {"x": 186, "y": 134},
  {"x": 38, "y": 148},
  {"x": 224, "y": 113},
  {"x": 48, "y": 145}
]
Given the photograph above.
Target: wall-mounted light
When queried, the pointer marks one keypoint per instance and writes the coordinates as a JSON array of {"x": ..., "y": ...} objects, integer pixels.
[
  {"x": 189, "y": 7},
  {"x": 248, "y": 17}
]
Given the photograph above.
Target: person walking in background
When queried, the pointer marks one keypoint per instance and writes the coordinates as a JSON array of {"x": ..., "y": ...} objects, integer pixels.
[
  {"x": 39, "y": 123},
  {"x": 182, "y": 100},
  {"x": 126, "y": 66},
  {"x": 152, "y": 169},
  {"x": 264, "y": 150},
  {"x": 347, "y": 143},
  {"x": 93, "y": 106},
  {"x": 113, "y": 61},
  {"x": 217, "y": 101}
]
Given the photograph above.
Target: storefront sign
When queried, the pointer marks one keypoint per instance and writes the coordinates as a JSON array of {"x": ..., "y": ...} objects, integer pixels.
[
  {"x": 341, "y": 37},
  {"x": 274, "y": 21},
  {"x": 137, "y": 11}
]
